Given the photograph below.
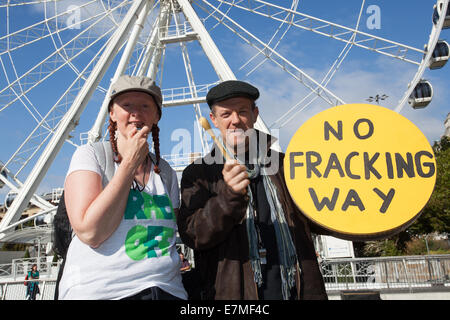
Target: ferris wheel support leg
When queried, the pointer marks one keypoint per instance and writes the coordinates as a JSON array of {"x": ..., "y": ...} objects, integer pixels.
[
  {"x": 35, "y": 199},
  {"x": 212, "y": 52},
  {"x": 216, "y": 59},
  {"x": 96, "y": 132},
  {"x": 70, "y": 120},
  {"x": 192, "y": 88},
  {"x": 154, "y": 56},
  {"x": 150, "y": 49}
]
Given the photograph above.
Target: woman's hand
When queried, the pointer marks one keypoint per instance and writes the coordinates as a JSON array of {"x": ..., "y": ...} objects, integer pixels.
[
  {"x": 94, "y": 212},
  {"x": 133, "y": 147}
]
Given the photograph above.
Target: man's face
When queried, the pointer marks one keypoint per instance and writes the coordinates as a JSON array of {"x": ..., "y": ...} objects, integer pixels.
[{"x": 233, "y": 117}]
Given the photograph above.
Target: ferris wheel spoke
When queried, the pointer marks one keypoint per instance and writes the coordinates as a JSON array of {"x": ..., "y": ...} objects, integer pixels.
[
  {"x": 302, "y": 105},
  {"x": 28, "y": 105},
  {"x": 12, "y": 3},
  {"x": 56, "y": 37},
  {"x": 192, "y": 89},
  {"x": 278, "y": 59},
  {"x": 50, "y": 65},
  {"x": 289, "y": 17},
  {"x": 36, "y": 139},
  {"x": 63, "y": 52},
  {"x": 40, "y": 31},
  {"x": 333, "y": 30},
  {"x": 144, "y": 46},
  {"x": 194, "y": 94}
]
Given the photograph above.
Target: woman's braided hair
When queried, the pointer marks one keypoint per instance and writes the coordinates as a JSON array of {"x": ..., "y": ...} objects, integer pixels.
[{"x": 112, "y": 128}]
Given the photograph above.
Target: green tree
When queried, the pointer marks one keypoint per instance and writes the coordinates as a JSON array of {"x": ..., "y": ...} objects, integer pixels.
[{"x": 436, "y": 214}]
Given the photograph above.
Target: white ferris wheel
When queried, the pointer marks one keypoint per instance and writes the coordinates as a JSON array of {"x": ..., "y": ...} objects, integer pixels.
[{"x": 57, "y": 60}]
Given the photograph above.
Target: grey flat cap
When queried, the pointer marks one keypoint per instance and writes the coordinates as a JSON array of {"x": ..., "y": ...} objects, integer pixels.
[
  {"x": 230, "y": 89},
  {"x": 127, "y": 83}
]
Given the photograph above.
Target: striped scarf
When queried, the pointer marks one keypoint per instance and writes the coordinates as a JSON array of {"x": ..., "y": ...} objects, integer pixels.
[{"x": 286, "y": 249}]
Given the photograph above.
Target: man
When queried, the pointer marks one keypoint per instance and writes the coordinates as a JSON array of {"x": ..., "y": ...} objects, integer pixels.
[
  {"x": 250, "y": 240},
  {"x": 185, "y": 265}
]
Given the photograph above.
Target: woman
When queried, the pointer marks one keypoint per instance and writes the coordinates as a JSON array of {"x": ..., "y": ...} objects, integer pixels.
[
  {"x": 124, "y": 225},
  {"x": 32, "y": 286}
]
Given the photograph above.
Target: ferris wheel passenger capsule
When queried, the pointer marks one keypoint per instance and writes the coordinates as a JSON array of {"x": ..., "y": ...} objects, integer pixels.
[
  {"x": 421, "y": 95},
  {"x": 440, "y": 56},
  {"x": 440, "y": 3},
  {"x": 9, "y": 198},
  {"x": 1, "y": 181},
  {"x": 3, "y": 173}
]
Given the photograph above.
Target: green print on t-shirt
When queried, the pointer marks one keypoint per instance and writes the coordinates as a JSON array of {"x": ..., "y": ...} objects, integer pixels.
[
  {"x": 150, "y": 241},
  {"x": 146, "y": 206}
]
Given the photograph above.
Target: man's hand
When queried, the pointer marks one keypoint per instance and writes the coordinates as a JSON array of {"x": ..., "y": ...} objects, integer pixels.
[{"x": 236, "y": 176}]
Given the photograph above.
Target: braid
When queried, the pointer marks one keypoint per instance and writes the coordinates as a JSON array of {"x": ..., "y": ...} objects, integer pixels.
[
  {"x": 112, "y": 139},
  {"x": 155, "y": 136}
]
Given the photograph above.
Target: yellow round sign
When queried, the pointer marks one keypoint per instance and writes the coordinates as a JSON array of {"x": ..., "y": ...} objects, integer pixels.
[{"x": 361, "y": 171}]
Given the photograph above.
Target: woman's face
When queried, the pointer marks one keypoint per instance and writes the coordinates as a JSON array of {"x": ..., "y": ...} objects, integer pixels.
[{"x": 134, "y": 109}]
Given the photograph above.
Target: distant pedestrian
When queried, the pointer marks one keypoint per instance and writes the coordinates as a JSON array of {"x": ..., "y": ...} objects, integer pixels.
[
  {"x": 32, "y": 286},
  {"x": 185, "y": 265}
]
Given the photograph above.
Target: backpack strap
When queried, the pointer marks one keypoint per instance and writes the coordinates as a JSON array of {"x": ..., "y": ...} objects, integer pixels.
[{"x": 105, "y": 158}]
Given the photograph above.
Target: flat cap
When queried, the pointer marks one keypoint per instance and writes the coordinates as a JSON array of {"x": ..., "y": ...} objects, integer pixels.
[
  {"x": 128, "y": 83},
  {"x": 230, "y": 89}
]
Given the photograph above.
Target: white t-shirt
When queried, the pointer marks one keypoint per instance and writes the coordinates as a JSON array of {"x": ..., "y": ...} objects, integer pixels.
[{"x": 140, "y": 254}]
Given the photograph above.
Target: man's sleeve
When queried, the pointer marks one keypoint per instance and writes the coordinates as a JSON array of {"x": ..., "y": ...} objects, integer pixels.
[{"x": 207, "y": 216}]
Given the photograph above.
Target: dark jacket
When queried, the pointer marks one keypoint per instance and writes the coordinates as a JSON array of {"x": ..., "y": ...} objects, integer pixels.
[{"x": 212, "y": 222}]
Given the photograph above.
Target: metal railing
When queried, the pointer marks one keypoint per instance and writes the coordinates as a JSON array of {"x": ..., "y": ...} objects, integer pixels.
[
  {"x": 176, "y": 30},
  {"x": 18, "y": 269},
  {"x": 410, "y": 273},
  {"x": 181, "y": 160},
  {"x": 387, "y": 273},
  {"x": 12, "y": 278},
  {"x": 172, "y": 95},
  {"x": 16, "y": 290}
]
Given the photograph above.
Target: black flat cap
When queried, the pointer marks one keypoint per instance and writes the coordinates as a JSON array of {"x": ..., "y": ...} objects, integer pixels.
[{"x": 230, "y": 89}]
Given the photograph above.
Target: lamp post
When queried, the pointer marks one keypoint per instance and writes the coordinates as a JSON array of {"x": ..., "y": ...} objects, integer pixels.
[{"x": 377, "y": 98}]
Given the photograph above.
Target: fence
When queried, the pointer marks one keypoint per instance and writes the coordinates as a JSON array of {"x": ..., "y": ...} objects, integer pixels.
[
  {"x": 388, "y": 273},
  {"x": 16, "y": 290},
  {"x": 411, "y": 273},
  {"x": 18, "y": 269}
]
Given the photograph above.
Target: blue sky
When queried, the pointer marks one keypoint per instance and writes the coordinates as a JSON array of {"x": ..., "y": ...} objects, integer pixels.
[{"x": 362, "y": 74}]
